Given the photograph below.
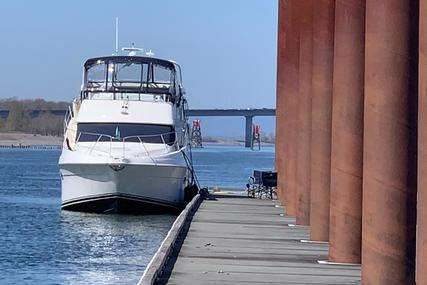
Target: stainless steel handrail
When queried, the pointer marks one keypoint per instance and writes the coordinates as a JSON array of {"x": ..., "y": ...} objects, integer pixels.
[
  {"x": 67, "y": 119},
  {"x": 123, "y": 140}
]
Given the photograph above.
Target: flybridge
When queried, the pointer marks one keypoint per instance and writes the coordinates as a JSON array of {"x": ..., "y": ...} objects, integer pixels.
[{"x": 131, "y": 78}]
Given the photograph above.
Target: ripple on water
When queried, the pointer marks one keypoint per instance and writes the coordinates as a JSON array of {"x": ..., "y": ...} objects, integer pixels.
[{"x": 40, "y": 244}]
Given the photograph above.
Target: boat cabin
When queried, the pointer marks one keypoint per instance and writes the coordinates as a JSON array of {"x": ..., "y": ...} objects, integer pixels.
[{"x": 133, "y": 78}]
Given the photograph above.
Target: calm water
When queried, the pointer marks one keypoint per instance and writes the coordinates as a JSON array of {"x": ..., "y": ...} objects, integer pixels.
[{"x": 40, "y": 244}]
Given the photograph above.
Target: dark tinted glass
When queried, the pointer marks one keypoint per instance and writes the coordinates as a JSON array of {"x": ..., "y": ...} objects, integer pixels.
[{"x": 88, "y": 132}]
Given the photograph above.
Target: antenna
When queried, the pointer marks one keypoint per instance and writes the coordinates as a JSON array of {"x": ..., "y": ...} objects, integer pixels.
[{"x": 117, "y": 35}]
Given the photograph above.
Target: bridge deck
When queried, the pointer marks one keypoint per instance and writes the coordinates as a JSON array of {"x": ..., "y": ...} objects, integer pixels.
[
  {"x": 247, "y": 241},
  {"x": 231, "y": 112}
]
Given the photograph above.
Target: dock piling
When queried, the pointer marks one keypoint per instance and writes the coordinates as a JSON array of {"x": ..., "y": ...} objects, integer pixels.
[
  {"x": 345, "y": 229},
  {"x": 323, "y": 59}
]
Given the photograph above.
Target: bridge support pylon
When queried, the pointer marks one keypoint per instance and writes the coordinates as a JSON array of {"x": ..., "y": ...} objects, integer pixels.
[{"x": 248, "y": 131}]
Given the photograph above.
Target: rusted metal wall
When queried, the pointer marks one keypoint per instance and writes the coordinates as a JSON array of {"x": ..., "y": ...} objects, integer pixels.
[
  {"x": 347, "y": 132},
  {"x": 304, "y": 113},
  {"x": 421, "y": 257},
  {"x": 389, "y": 158},
  {"x": 321, "y": 121}
]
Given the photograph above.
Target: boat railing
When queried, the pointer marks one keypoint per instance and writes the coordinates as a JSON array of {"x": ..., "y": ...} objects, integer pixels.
[
  {"x": 141, "y": 140},
  {"x": 67, "y": 118},
  {"x": 126, "y": 95}
]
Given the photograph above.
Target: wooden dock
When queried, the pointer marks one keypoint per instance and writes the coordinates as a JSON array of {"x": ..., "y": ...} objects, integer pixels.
[{"x": 249, "y": 241}]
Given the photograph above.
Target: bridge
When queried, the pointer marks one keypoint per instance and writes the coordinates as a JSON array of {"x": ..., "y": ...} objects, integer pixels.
[{"x": 248, "y": 113}]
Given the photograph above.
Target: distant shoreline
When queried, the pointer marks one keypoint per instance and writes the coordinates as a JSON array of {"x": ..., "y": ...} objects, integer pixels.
[
  {"x": 24, "y": 139},
  {"x": 228, "y": 141}
]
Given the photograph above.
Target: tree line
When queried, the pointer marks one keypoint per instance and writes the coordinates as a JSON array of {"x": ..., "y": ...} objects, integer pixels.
[{"x": 20, "y": 119}]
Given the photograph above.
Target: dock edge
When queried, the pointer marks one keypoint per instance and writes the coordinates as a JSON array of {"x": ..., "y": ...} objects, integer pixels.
[{"x": 160, "y": 258}]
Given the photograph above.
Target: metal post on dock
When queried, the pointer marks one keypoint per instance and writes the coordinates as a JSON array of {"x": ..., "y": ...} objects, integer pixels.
[
  {"x": 304, "y": 113},
  {"x": 286, "y": 144},
  {"x": 345, "y": 229},
  {"x": 390, "y": 142},
  {"x": 283, "y": 24},
  {"x": 323, "y": 59},
  {"x": 421, "y": 243}
]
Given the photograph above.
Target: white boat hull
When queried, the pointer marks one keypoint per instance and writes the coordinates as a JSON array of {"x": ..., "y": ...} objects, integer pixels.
[{"x": 135, "y": 188}]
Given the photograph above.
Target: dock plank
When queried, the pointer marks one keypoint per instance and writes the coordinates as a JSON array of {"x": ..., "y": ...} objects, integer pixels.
[{"x": 248, "y": 241}]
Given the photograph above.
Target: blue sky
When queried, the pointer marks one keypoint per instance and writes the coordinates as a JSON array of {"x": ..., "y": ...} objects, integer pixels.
[{"x": 227, "y": 48}]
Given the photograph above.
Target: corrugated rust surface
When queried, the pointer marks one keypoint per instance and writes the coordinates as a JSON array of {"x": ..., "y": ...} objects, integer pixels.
[
  {"x": 321, "y": 121},
  {"x": 304, "y": 113},
  {"x": 347, "y": 133},
  {"x": 389, "y": 170},
  {"x": 421, "y": 256},
  {"x": 280, "y": 143}
]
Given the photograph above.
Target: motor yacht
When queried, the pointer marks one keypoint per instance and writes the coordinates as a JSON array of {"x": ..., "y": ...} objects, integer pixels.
[{"x": 126, "y": 138}]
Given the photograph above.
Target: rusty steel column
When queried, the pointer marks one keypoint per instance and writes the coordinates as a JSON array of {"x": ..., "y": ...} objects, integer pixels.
[
  {"x": 292, "y": 103},
  {"x": 304, "y": 113},
  {"x": 390, "y": 137},
  {"x": 287, "y": 93},
  {"x": 281, "y": 123},
  {"x": 323, "y": 60},
  {"x": 421, "y": 254},
  {"x": 345, "y": 229}
]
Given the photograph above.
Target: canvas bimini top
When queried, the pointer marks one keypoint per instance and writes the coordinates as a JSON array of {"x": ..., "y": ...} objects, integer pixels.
[{"x": 131, "y": 77}]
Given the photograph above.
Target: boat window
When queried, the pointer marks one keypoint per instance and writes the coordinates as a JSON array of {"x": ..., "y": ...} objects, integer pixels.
[
  {"x": 178, "y": 74},
  {"x": 129, "y": 72},
  {"x": 128, "y": 75},
  {"x": 162, "y": 74},
  {"x": 148, "y": 133},
  {"x": 96, "y": 75}
]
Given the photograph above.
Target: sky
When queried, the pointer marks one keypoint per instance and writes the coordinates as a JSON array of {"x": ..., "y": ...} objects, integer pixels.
[{"x": 227, "y": 49}]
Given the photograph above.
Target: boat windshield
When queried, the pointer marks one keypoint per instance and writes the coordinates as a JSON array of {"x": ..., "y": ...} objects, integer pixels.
[
  {"x": 125, "y": 132},
  {"x": 111, "y": 77}
]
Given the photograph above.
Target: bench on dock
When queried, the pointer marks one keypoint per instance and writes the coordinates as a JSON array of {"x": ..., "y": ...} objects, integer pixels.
[{"x": 262, "y": 183}]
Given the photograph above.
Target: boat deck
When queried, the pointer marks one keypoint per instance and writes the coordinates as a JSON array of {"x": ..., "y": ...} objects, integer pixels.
[{"x": 234, "y": 240}]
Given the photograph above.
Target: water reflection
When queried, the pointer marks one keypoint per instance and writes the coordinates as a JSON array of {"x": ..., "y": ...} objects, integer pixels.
[{"x": 110, "y": 249}]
